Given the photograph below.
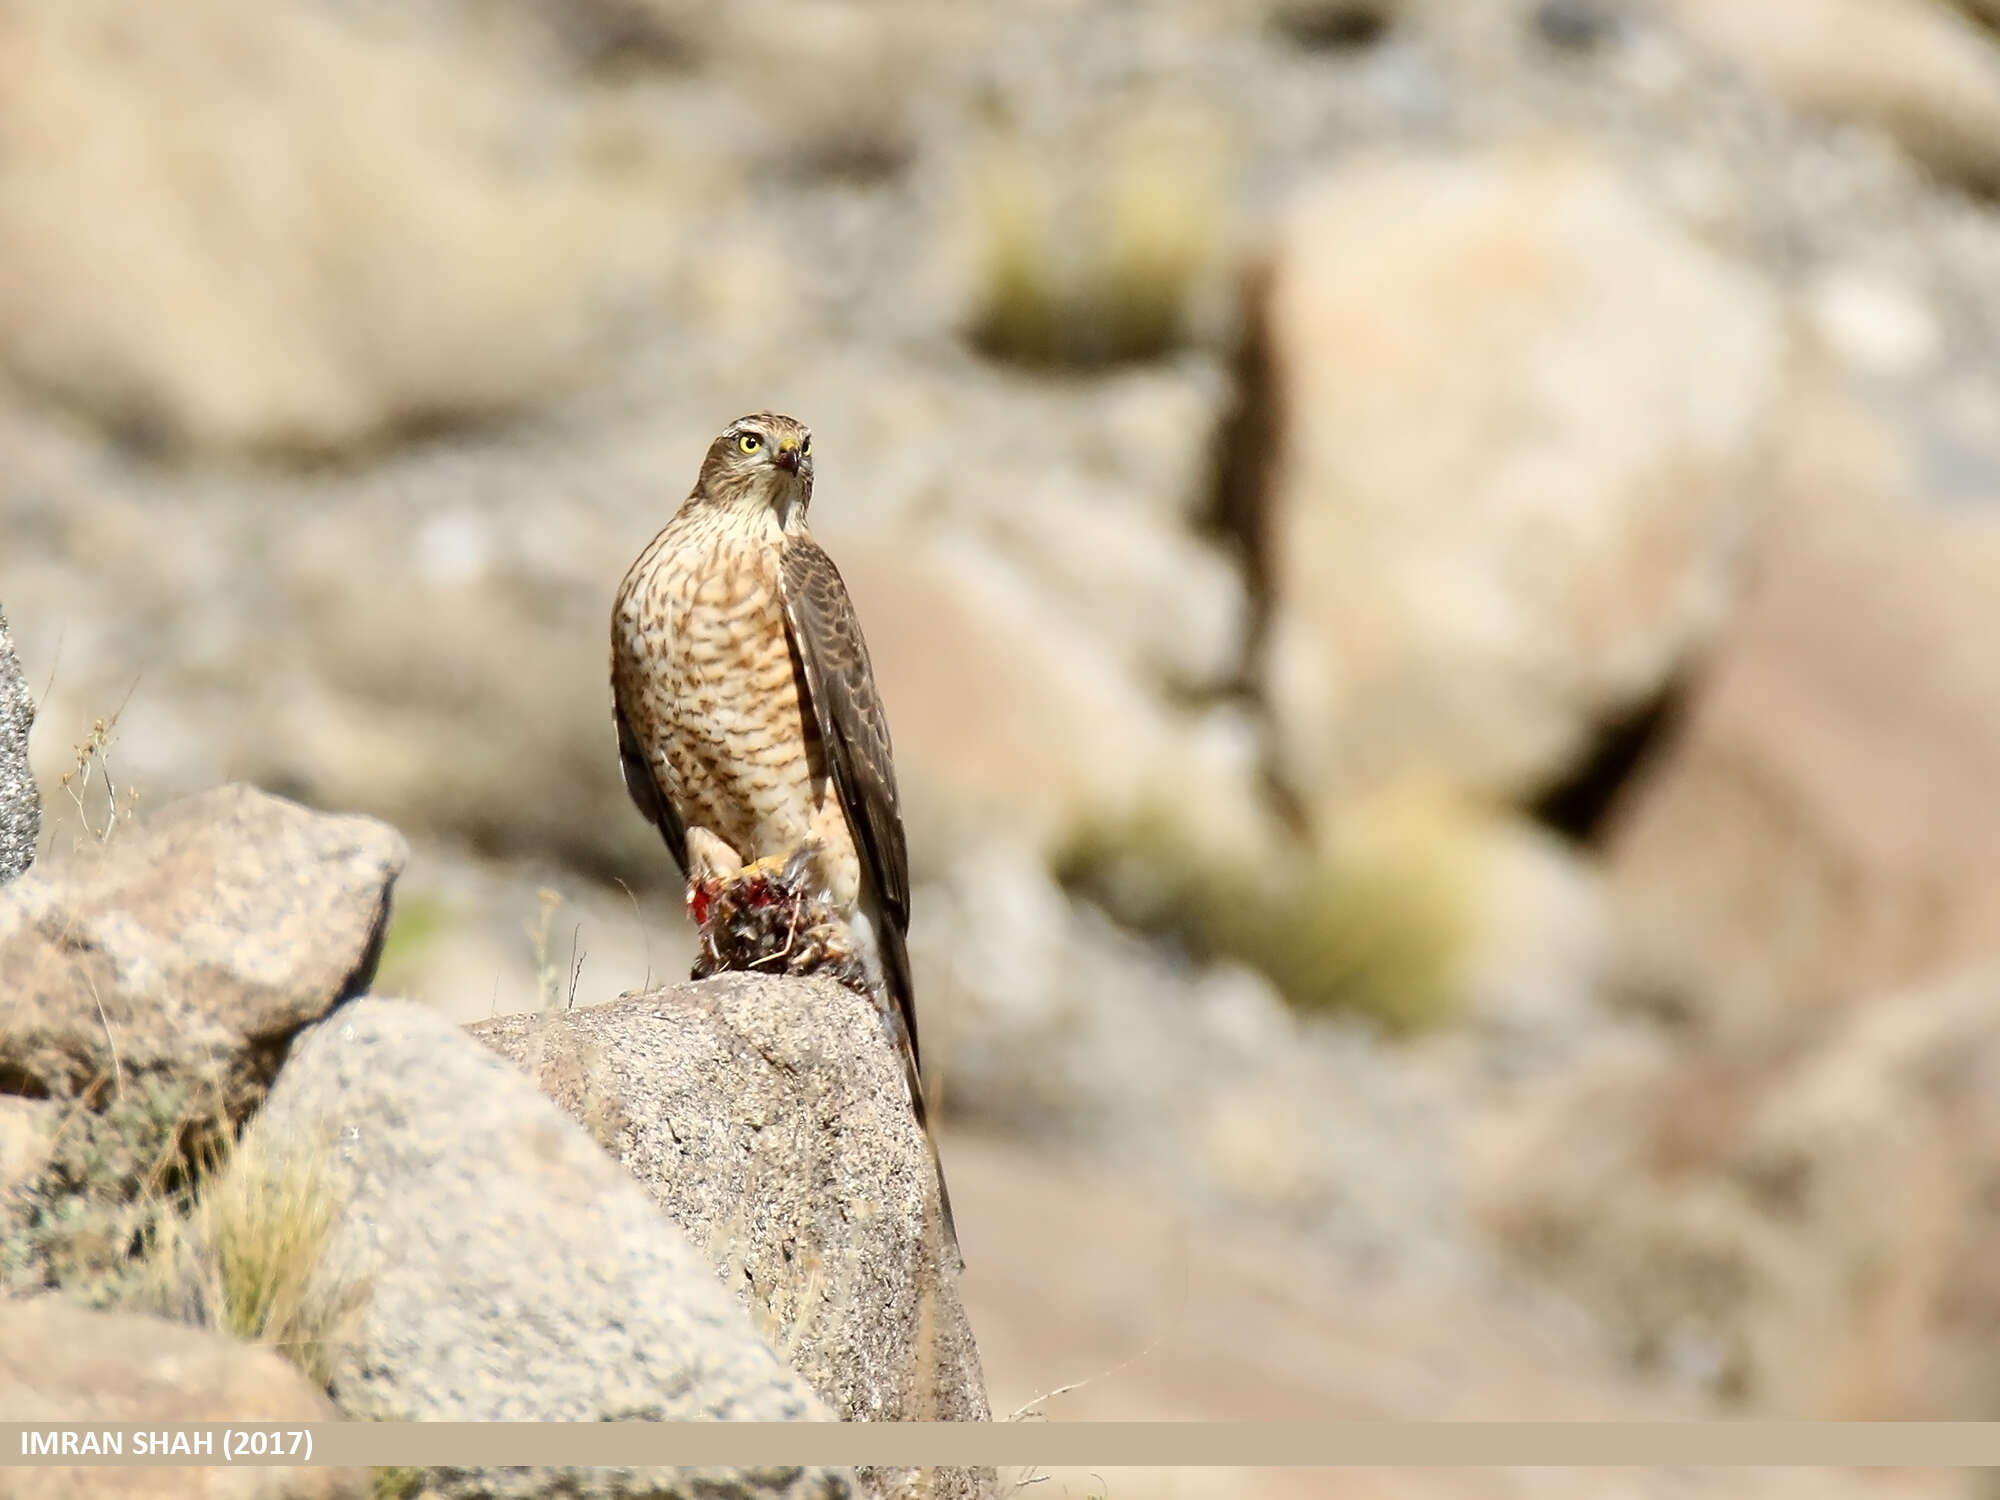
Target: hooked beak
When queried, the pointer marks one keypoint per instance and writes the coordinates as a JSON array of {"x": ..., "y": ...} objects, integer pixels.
[{"x": 788, "y": 458}]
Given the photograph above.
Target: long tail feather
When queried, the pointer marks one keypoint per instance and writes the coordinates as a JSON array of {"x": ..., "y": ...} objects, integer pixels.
[
  {"x": 901, "y": 1015},
  {"x": 916, "y": 1087}
]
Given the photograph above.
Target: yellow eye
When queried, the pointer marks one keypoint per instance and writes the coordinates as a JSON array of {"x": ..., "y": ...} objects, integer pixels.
[
  {"x": 805, "y": 445},
  {"x": 749, "y": 442}
]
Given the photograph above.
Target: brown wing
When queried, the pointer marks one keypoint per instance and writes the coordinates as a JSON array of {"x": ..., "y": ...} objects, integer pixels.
[
  {"x": 833, "y": 660},
  {"x": 643, "y": 787}
]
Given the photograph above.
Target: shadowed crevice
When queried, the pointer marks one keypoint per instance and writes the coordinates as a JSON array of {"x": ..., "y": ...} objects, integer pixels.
[{"x": 1579, "y": 803}]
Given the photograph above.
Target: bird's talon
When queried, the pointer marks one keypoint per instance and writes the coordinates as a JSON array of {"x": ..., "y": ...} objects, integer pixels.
[{"x": 768, "y": 871}]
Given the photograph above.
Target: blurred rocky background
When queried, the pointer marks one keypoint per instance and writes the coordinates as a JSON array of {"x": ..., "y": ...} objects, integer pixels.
[{"x": 1434, "y": 567}]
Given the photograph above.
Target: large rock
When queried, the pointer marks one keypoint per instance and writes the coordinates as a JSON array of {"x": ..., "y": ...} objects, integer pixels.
[
  {"x": 118, "y": 294},
  {"x": 768, "y": 1117},
  {"x": 64, "y": 1363},
  {"x": 506, "y": 1268},
  {"x": 1823, "y": 825},
  {"x": 1784, "y": 1195},
  {"x": 194, "y": 943},
  {"x": 20, "y": 799},
  {"x": 1494, "y": 465}
]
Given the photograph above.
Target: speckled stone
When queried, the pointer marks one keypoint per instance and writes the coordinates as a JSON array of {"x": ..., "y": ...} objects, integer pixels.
[
  {"x": 511, "y": 1270},
  {"x": 196, "y": 941},
  {"x": 767, "y": 1116},
  {"x": 20, "y": 799}
]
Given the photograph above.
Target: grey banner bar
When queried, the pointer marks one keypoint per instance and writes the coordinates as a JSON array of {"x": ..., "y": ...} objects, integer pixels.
[{"x": 1041, "y": 1444}]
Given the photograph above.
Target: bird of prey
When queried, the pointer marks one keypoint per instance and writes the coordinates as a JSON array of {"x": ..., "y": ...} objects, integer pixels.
[{"x": 749, "y": 727}]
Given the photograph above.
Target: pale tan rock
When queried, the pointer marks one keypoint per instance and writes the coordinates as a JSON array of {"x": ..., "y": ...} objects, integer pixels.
[
  {"x": 195, "y": 941},
  {"x": 60, "y": 1362},
  {"x": 398, "y": 270},
  {"x": 506, "y": 1269},
  {"x": 1822, "y": 825},
  {"x": 768, "y": 1118},
  {"x": 1498, "y": 463},
  {"x": 1171, "y": 606}
]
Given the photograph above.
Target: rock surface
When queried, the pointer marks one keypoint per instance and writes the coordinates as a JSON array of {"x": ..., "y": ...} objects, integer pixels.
[
  {"x": 1793, "y": 1229},
  {"x": 195, "y": 942},
  {"x": 63, "y": 1363},
  {"x": 1821, "y": 825},
  {"x": 1504, "y": 469},
  {"x": 509, "y": 1269},
  {"x": 20, "y": 799},
  {"x": 768, "y": 1118}
]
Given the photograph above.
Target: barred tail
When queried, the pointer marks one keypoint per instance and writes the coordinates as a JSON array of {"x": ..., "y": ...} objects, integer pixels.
[
  {"x": 916, "y": 1086},
  {"x": 900, "y": 1015}
]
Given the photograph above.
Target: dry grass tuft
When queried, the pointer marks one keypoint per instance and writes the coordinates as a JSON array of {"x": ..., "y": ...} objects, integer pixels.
[
  {"x": 397, "y": 1483},
  {"x": 1377, "y": 924},
  {"x": 247, "y": 1256},
  {"x": 99, "y": 804},
  {"x": 1103, "y": 275},
  {"x": 1021, "y": 315},
  {"x": 555, "y": 984}
]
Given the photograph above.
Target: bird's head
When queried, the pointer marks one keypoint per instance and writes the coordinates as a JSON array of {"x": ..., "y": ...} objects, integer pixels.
[{"x": 760, "y": 460}]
